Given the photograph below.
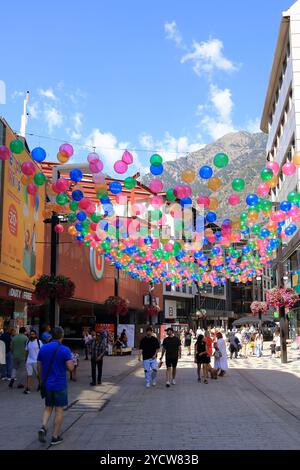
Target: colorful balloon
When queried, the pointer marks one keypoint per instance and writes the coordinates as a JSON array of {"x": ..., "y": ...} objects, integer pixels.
[
  {"x": 289, "y": 168},
  {"x": 205, "y": 172},
  {"x": 38, "y": 154},
  {"x": 76, "y": 175},
  {"x": 238, "y": 184},
  {"x": 221, "y": 160},
  {"x": 4, "y": 152},
  {"x": 28, "y": 168},
  {"x": 214, "y": 183},
  {"x": 120, "y": 167},
  {"x": 66, "y": 150},
  {"x": 127, "y": 157},
  {"x": 156, "y": 160},
  {"x": 156, "y": 186},
  {"x": 16, "y": 146}
]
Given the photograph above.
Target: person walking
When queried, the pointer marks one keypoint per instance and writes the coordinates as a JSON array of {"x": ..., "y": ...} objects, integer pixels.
[
  {"x": 97, "y": 349},
  {"x": 149, "y": 347},
  {"x": 6, "y": 338},
  {"x": 18, "y": 345},
  {"x": 172, "y": 348},
  {"x": 188, "y": 341},
  {"x": 32, "y": 349},
  {"x": 220, "y": 355},
  {"x": 233, "y": 345},
  {"x": 54, "y": 359},
  {"x": 259, "y": 341},
  {"x": 201, "y": 357},
  {"x": 87, "y": 338},
  {"x": 245, "y": 341}
]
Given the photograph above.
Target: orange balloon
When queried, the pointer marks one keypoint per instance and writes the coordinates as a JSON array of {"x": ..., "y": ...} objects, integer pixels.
[
  {"x": 72, "y": 230},
  {"x": 272, "y": 183},
  {"x": 62, "y": 158},
  {"x": 214, "y": 183},
  {"x": 188, "y": 176},
  {"x": 296, "y": 158},
  {"x": 253, "y": 216},
  {"x": 213, "y": 203}
]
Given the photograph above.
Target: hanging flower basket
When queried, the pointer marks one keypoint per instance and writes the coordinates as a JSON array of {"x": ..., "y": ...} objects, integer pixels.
[
  {"x": 117, "y": 305},
  {"x": 151, "y": 310},
  {"x": 282, "y": 297},
  {"x": 259, "y": 307},
  {"x": 54, "y": 287}
]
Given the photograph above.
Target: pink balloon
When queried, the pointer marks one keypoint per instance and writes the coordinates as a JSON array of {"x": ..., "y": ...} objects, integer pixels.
[
  {"x": 28, "y": 168},
  {"x": 91, "y": 208},
  {"x": 127, "y": 157},
  {"x": 98, "y": 178},
  {"x": 120, "y": 167},
  {"x": 96, "y": 166},
  {"x": 168, "y": 247},
  {"x": 59, "y": 228},
  {"x": 156, "y": 186},
  {"x": 296, "y": 218},
  {"x": 289, "y": 168},
  {"x": 234, "y": 200},
  {"x": 62, "y": 185},
  {"x": 293, "y": 211},
  {"x": 55, "y": 189},
  {"x": 84, "y": 203},
  {"x": 67, "y": 150},
  {"x": 4, "y": 152},
  {"x": 273, "y": 166},
  {"x": 203, "y": 201},
  {"x": 32, "y": 189},
  {"x": 93, "y": 157},
  {"x": 263, "y": 189},
  {"x": 157, "y": 201}
]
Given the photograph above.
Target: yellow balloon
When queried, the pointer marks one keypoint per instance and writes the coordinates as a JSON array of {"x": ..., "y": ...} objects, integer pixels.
[
  {"x": 62, "y": 158},
  {"x": 213, "y": 203},
  {"x": 296, "y": 158},
  {"x": 188, "y": 176},
  {"x": 272, "y": 183},
  {"x": 214, "y": 183}
]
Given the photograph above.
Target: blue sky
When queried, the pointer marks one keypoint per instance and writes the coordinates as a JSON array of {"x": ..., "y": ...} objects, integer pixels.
[{"x": 144, "y": 74}]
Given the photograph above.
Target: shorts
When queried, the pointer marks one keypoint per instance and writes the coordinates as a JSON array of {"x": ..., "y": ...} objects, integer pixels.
[
  {"x": 187, "y": 342},
  {"x": 31, "y": 368},
  {"x": 171, "y": 361},
  {"x": 56, "y": 398},
  {"x": 278, "y": 348},
  {"x": 203, "y": 359}
]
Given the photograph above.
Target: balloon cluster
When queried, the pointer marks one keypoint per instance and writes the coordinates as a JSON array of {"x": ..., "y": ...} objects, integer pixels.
[{"x": 155, "y": 243}]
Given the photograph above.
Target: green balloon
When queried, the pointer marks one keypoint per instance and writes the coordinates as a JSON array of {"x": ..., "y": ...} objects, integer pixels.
[
  {"x": 62, "y": 199},
  {"x": 276, "y": 315},
  {"x": 143, "y": 232},
  {"x": 243, "y": 216},
  {"x": 16, "y": 146},
  {"x": 221, "y": 160},
  {"x": 255, "y": 228},
  {"x": 130, "y": 182},
  {"x": 73, "y": 206},
  {"x": 266, "y": 174},
  {"x": 95, "y": 217},
  {"x": 103, "y": 196},
  {"x": 266, "y": 205},
  {"x": 294, "y": 197},
  {"x": 39, "y": 179},
  {"x": 156, "y": 233},
  {"x": 176, "y": 248},
  {"x": 238, "y": 184},
  {"x": 155, "y": 214},
  {"x": 87, "y": 243},
  {"x": 86, "y": 223},
  {"x": 170, "y": 195},
  {"x": 156, "y": 160},
  {"x": 72, "y": 217}
]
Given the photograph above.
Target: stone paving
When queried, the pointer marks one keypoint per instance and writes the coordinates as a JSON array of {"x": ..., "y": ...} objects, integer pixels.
[{"x": 255, "y": 406}]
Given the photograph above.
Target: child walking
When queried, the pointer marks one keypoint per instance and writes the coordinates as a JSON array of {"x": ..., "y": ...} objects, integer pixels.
[{"x": 75, "y": 360}]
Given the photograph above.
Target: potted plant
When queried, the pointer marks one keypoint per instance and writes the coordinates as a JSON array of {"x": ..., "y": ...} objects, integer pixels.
[
  {"x": 54, "y": 287},
  {"x": 117, "y": 305}
]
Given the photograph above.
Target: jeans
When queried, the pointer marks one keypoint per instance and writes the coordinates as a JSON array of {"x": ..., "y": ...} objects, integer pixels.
[
  {"x": 150, "y": 367},
  {"x": 258, "y": 350},
  {"x": 99, "y": 366},
  {"x": 7, "y": 368}
]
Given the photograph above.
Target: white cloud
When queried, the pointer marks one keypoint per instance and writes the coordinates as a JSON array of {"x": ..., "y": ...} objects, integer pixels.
[
  {"x": 207, "y": 56},
  {"x": 33, "y": 110},
  {"x": 170, "y": 147},
  {"x": 53, "y": 117},
  {"x": 172, "y": 33},
  {"x": 49, "y": 93},
  {"x": 75, "y": 133},
  {"x": 17, "y": 94},
  {"x": 253, "y": 125},
  {"x": 218, "y": 119}
]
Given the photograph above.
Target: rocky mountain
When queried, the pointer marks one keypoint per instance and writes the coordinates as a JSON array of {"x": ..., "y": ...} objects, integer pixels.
[{"x": 246, "y": 158}]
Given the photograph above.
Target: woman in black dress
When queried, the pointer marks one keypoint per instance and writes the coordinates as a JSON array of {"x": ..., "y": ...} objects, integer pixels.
[{"x": 201, "y": 357}]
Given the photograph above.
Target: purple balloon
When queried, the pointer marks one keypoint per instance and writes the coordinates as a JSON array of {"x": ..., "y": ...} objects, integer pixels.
[
  {"x": 120, "y": 167},
  {"x": 93, "y": 157}
]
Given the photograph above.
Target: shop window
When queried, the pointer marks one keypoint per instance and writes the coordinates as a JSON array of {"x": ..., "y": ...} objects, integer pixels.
[{"x": 168, "y": 288}]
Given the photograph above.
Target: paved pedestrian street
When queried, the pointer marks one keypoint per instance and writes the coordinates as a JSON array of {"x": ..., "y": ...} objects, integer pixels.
[{"x": 255, "y": 406}]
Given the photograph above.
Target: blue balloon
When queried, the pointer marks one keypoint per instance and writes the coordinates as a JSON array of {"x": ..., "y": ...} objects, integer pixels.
[
  {"x": 264, "y": 232},
  {"x": 38, "y": 154},
  {"x": 79, "y": 227},
  {"x": 290, "y": 230},
  {"x": 115, "y": 187},
  {"x": 205, "y": 172},
  {"x": 186, "y": 201},
  {"x": 76, "y": 175},
  {"x": 285, "y": 206},
  {"x": 252, "y": 200},
  {"x": 81, "y": 216},
  {"x": 211, "y": 217},
  {"x": 77, "y": 195},
  {"x": 156, "y": 170}
]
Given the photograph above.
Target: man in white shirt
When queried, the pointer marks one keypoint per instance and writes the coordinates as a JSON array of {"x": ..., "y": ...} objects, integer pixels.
[{"x": 33, "y": 347}]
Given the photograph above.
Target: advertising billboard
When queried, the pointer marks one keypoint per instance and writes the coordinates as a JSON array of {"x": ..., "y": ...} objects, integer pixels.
[{"x": 22, "y": 234}]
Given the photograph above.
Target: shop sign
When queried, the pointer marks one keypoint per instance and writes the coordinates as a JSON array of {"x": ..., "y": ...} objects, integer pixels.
[
  {"x": 96, "y": 264},
  {"x": 19, "y": 294},
  {"x": 170, "y": 309}
]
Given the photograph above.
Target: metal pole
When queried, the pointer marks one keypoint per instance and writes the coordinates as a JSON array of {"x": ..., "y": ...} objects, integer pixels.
[
  {"x": 54, "y": 307},
  {"x": 116, "y": 293},
  {"x": 282, "y": 315}
]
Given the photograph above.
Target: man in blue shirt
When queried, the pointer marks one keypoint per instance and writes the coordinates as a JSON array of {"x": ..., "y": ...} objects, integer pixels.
[{"x": 54, "y": 360}]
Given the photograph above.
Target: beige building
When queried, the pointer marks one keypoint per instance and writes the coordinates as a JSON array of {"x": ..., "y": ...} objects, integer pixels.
[{"x": 281, "y": 121}]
